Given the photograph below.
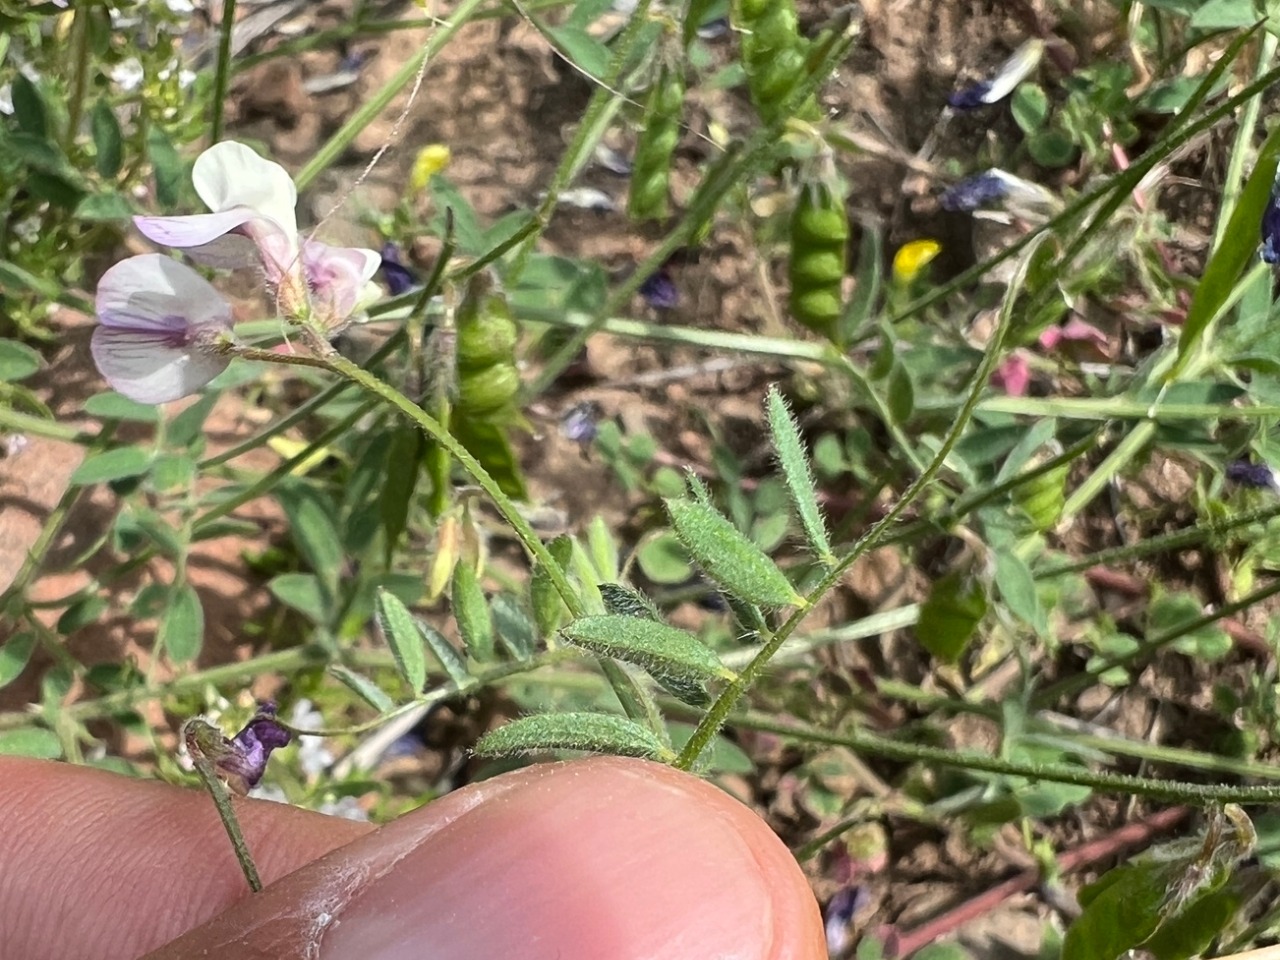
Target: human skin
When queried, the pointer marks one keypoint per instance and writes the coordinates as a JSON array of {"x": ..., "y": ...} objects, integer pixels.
[{"x": 599, "y": 859}]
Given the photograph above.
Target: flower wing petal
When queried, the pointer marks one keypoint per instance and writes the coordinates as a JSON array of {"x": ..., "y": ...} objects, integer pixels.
[
  {"x": 338, "y": 275},
  {"x": 230, "y": 175},
  {"x": 151, "y": 366},
  {"x": 155, "y": 292}
]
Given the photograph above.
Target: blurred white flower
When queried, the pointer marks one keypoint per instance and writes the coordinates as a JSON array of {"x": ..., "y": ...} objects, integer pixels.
[{"x": 128, "y": 75}]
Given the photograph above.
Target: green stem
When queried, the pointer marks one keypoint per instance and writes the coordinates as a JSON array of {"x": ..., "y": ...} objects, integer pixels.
[
  {"x": 80, "y": 78},
  {"x": 1160, "y": 789},
  {"x": 222, "y": 76},
  {"x": 342, "y": 138},
  {"x": 728, "y": 699},
  {"x": 599, "y": 114}
]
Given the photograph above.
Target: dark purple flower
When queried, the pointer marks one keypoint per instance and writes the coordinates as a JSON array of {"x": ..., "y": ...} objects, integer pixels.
[
  {"x": 836, "y": 918},
  {"x": 353, "y": 60},
  {"x": 244, "y": 759},
  {"x": 1271, "y": 229},
  {"x": 399, "y": 278},
  {"x": 660, "y": 291},
  {"x": 976, "y": 192},
  {"x": 579, "y": 424},
  {"x": 1252, "y": 474},
  {"x": 1011, "y": 73}
]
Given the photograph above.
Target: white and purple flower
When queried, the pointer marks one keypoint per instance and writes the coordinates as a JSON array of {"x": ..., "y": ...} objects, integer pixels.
[
  {"x": 165, "y": 332},
  {"x": 162, "y": 329},
  {"x": 253, "y": 221}
]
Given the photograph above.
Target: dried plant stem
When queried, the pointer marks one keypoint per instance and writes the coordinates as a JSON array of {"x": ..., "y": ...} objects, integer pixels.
[{"x": 194, "y": 732}]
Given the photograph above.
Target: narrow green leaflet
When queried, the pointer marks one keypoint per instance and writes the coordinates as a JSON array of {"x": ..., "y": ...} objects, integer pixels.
[
  {"x": 728, "y": 557},
  {"x": 17, "y": 361},
  {"x": 454, "y": 666},
  {"x": 182, "y": 628},
  {"x": 14, "y": 654},
  {"x": 662, "y": 650},
  {"x": 363, "y": 687},
  {"x": 112, "y": 465},
  {"x": 950, "y": 615},
  {"x": 108, "y": 142},
  {"x": 627, "y": 602},
  {"x": 31, "y": 742},
  {"x": 401, "y": 633},
  {"x": 311, "y": 524},
  {"x": 471, "y": 611},
  {"x": 796, "y": 471},
  {"x": 592, "y": 732},
  {"x": 1238, "y": 249},
  {"x": 303, "y": 592}
]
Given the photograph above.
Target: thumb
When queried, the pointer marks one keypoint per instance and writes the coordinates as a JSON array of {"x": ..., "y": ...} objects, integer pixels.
[{"x": 601, "y": 859}]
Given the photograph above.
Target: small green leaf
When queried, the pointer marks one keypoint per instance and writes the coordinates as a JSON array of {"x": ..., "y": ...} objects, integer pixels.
[
  {"x": 795, "y": 469},
  {"x": 400, "y": 631},
  {"x": 728, "y": 557},
  {"x": 950, "y": 615},
  {"x": 549, "y": 611},
  {"x": 81, "y": 613},
  {"x": 592, "y": 732},
  {"x": 664, "y": 560},
  {"x": 311, "y": 524},
  {"x": 1051, "y": 148},
  {"x": 112, "y": 465},
  {"x": 901, "y": 397},
  {"x": 166, "y": 167},
  {"x": 112, "y": 406},
  {"x": 31, "y": 742},
  {"x": 15, "y": 653},
  {"x": 104, "y": 207},
  {"x": 450, "y": 660},
  {"x": 362, "y": 687},
  {"x": 1224, "y": 15},
  {"x": 107, "y": 140},
  {"x": 1017, "y": 589},
  {"x": 662, "y": 650},
  {"x": 17, "y": 361},
  {"x": 301, "y": 591},
  {"x": 1030, "y": 107},
  {"x": 28, "y": 107},
  {"x": 942, "y": 951},
  {"x": 516, "y": 631},
  {"x": 1120, "y": 911},
  {"x": 182, "y": 628},
  {"x": 471, "y": 611}
]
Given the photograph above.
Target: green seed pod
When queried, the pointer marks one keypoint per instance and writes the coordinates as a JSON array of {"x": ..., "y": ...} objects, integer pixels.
[
  {"x": 652, "y": 169},
  {"x": 819, "y": 235},
  {"x": 773, "y": 55},
  {"x": 482, "y": 392},
  {"x": 488, "y": 337},
  {"x": 1041, "y": 499}
]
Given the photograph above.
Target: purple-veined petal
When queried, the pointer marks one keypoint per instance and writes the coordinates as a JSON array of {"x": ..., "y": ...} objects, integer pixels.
[
  {"x": 152, "y": 367},
  {"x": 158, "y": 322},
  {"x": 230, "y": 175},
  {"x": 155, "y": 292}
]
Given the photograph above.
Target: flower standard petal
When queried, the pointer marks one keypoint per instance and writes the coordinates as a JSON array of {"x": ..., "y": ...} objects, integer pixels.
[
  {"x": 159, "y": 324},
  {"x": 230, "y": 175}
]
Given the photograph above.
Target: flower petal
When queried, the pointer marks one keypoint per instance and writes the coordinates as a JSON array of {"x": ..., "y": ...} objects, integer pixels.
[
  {"x": 337, "y": 277},
  {"x": 153, "y": 367},
  {"x": 195, "y": 230},
  {"x": 230, "y": 175},
  {"x": 157, "y": 293}
]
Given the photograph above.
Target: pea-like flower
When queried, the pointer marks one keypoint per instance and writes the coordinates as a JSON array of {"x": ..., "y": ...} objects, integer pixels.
[
  {"x": 1011, "y": 73},
  {"x": 253, "y": 220},
  {"x": 162, "y": 329},
  {"x": 243, "y": 758}
]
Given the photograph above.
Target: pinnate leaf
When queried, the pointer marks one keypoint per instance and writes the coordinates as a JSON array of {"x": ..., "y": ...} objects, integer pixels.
[
  {"x": 796, "y": 471},
  {"x": 592, "y": 732},
  {"x": 401, "y": 633}
]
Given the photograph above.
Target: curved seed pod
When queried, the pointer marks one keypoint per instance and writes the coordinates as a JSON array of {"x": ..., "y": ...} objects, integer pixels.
[
  {"x": 1041, "y": 499},
  {"x": 773, "y": 55},
  {"x": 652, "y": 167},
  {"x": 488, "y": 337},
  {"x": 484, "y": 350},
  {"x": 819, "y": 236},
  {"x": 482, "y": 392}
]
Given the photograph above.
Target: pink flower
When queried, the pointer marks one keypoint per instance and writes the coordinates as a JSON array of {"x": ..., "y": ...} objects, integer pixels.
[
  {"x": 1013, "y": 376},
  {"x": 253, "y": 221},
  {"x": 162, "y": 327},
  {"x": 1077, "y": 338}
]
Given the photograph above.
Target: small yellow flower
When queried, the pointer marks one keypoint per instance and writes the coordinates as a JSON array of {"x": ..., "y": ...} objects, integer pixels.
[
  {"x": 430, "y": 160},
  {"x": 912, "y": 258}
]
